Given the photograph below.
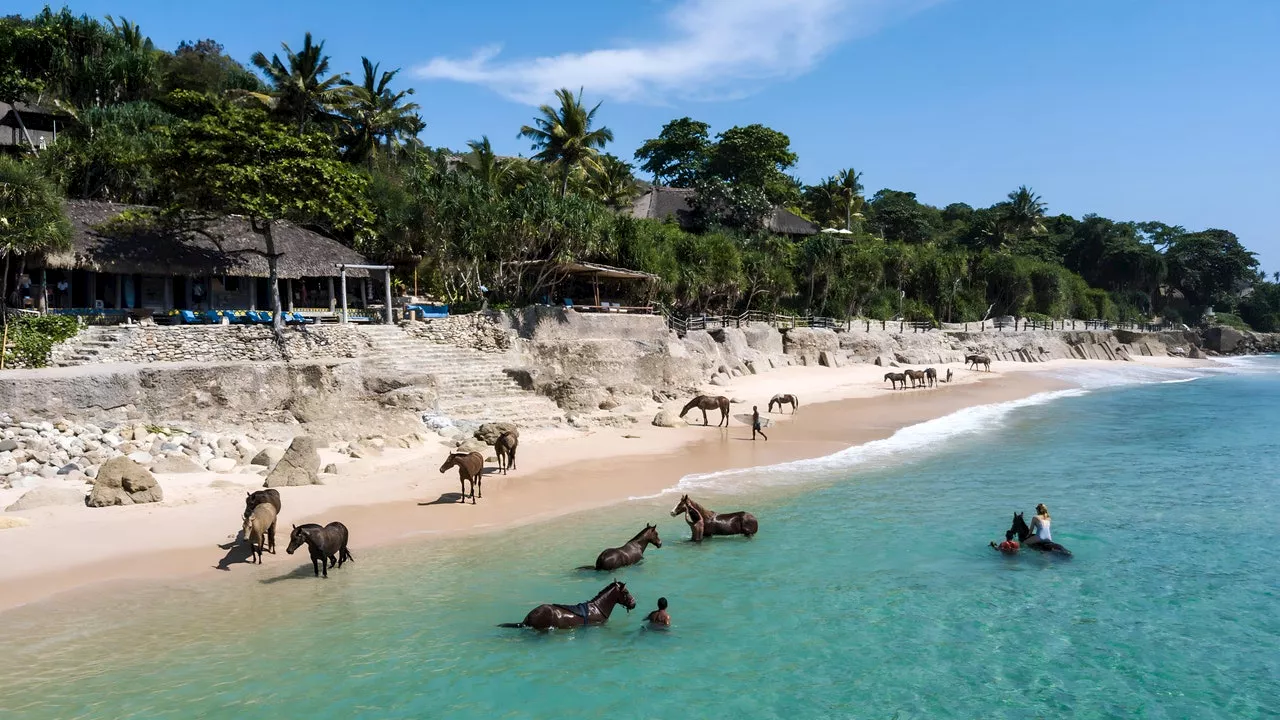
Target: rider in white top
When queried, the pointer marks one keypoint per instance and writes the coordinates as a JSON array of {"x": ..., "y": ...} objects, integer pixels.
[{"x": 1040, "y": 524}]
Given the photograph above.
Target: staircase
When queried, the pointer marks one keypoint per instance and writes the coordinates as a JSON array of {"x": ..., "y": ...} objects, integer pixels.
[
  {"x": 471, "y": 385},
  {"x": 91, "y": 345}
]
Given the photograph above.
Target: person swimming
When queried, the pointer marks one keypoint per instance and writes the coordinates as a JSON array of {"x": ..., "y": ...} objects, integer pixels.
[
  {"x": 1009, "y": 546},
  {"x": 659, "y": 619}
]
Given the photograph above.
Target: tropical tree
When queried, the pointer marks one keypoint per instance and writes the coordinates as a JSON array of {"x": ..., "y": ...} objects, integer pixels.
[
  {"x": 610, "y": 182},
  {"x": 678, "y": 154},
  {"x": 483, "y": 163},
  {"x": 302, "y": 90},
  {"x": 376, "y": 116},
  {"x": 204, "y": 67},
  {"x": 850, "y": 187},
  {"x": 754, "y": 156},
  {"x": 565, "y": 137},
  {"x": 107, "y": 155},
  {"x": 1024, "y": 212},
  {"x": 32, "y": 217}
]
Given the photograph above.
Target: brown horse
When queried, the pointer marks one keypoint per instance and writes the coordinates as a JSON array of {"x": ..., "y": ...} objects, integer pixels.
[
  {"x": 949, "y": 375},
  {"x": 327, "y": 545},
  {"x": 931, "y": 375},
  {"x": 270, "y": 496},
  {"x": 470, "y": 470},
  {"x": 895, "y": 379},
  {"x": 505, "y": 448},
  {"x": 709, "y": 402},
  {"x": 595, "y": 611},
  {"x": 630, "y": 553},
  {"x": 713, "y": 523},
  {"x": 916, "y": 377},
  {"x": 256, "y": 525},
  {"x": 782, "y": 400},
  {"x": 976, "y": 360}
]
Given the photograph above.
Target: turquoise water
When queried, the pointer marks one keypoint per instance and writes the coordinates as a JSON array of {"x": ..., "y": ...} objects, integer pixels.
[{"x": 870, "y": 591}]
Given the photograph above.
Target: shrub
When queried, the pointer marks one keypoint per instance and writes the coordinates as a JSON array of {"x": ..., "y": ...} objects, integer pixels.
[
  {"x": 32, "y": 337},
  {"x": 1231, "y": 321}
]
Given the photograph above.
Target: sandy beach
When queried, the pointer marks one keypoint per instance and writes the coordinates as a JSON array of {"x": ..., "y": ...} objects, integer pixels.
[{"x": 400, "y": 495}]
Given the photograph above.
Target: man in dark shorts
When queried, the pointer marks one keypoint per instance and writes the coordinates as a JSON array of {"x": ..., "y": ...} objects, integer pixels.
[
  {"x": 755, "y": 423},
  {"x": 659, "y": 617}
]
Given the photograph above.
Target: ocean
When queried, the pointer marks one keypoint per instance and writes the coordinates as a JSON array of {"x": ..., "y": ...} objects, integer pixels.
[{"x": 870, "y": 591}]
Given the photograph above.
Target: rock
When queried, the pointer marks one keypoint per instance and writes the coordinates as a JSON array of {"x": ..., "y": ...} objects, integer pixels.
[
  {"x": 809, "y": 341},
  {"x": 609, "y": 404},
  {"x": 48, "y": 497},
  {"x": 829, "y": 359},
  {"x": 488, "y": 433},
  {"x": 221, "y": 465},
  {"x": 141, "y": 457},
  {"x": 8, "y": 523},
  {"x": 68, "y": 469},
  {"x": 415, "y": 397},
  {"x": 330, "y": 469},
  {"x": 666, "y": 418},
  {"x": 721, "y": 380},
  {"x": 47, "y": 472},
  {"x": 1222, "y": 339},
  {"x": 175, "y": 464},
  {"x": 364, "y": 449},
  {"x": 268, "y": 456},
  {"x": 300, "y": 465},
  {"x": 26, "y": 481},
  {"x": 8, "y": 444},
  {"x": 885, "y": 361},
  {"x": 576, "y": 394},
  {"x": 122, "y": 481},
  {"x": 8, "y": 466},
  {"x": 472, "y": 445},
  {"x": 1195, "y": 353}
]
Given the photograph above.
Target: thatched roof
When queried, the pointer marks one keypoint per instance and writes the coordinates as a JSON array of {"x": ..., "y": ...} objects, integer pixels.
[
  {"x": 303, "y": 253},
  {"x": 661, "y": 203},
  {"x": 598, "y": 270}
]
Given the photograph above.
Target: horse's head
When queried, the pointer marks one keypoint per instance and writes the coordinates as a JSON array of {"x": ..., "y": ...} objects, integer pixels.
[
  {"x": 680, "y": 506},
  {"x": 296, "y": 538},
  {"x": 249, "y": 504},
  {"x": 248, "y": 524},
  {"x": 450, "y": 461},
  {"x": 623, "y": 596},
  {"x": 651, "y": 534},
  {"x": 1020, "y": 527}
]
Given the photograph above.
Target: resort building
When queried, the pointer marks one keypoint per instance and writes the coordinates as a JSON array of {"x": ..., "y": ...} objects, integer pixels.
[
  {"x": 663, "y": 203},
  {"x": 28, "y": 127}
]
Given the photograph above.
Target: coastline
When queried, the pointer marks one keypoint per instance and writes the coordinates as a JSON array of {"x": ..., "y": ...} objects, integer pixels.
[{"x": 400, "y": 497}]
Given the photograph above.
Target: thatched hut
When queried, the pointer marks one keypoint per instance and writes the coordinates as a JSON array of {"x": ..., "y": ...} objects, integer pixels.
[{"x": 117, "y": 263}]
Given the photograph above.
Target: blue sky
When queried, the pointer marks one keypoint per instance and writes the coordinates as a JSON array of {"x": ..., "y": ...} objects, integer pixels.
[{"x": 1134, "y": 109}]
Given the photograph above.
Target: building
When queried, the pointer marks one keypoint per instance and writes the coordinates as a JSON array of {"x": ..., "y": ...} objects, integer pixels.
[
  {"x": 29, "y": 127},
  {"x": 113, "y": 267},
  {"x": 663, "y": 203}
]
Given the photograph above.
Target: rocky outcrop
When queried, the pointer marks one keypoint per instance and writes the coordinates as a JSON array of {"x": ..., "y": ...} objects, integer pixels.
[
  {"x": 808, "y": 344},
  {"x": 488, "y": 433},
  {"x": 667, "y": 418},
  {"x": 122, "y": 481},
  {"x": 48, "y": 497},
  {"x": 175, "y": 464},
  {"x": 268, "y": 456},
  {"x": 300, "y": 465},
  {"x": 1223, "y": 339}
]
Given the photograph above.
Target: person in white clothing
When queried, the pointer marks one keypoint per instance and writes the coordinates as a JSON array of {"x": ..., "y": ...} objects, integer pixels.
[{"x": 1040, "y": 526}]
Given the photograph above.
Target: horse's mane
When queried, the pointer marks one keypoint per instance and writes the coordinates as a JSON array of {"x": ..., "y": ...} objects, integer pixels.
[
  {"x": 640, "y": 534},
  {"x": 700, "y": 510},
  {"x": 605, "y": 591}
]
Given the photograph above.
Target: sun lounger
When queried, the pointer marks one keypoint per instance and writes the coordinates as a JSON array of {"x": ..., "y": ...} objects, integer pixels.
[
  {"x": 259, "y": 317},
  {"x": 188, "y": 318}
]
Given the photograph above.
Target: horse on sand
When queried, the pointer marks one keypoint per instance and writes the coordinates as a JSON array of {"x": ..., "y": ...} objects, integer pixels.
[
  {"x": 783, "y": 400},
  {"x": 709, "y": 402},
  {"x": 595, "y": 611},
  {"x": 895, "y": 379},
  {"x": 630, "y": 553},
  {"x": 470, "y": 469},
  {"x": 254, "y": 499},
  {"x": 1023, "y": 531},
  {"x": 713, "y": 523},
  {"x": 916, "y": 376},
  {"x": 505, "y": 448},
  {"x": 976, "y": 360},
  {"x": 326, "y": 544},
  {"x": 931, "y": 375},
  {"x": 256, "y": 530}
]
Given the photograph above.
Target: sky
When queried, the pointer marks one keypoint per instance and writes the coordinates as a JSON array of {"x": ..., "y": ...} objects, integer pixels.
[{"x": 1133, "y": 109}]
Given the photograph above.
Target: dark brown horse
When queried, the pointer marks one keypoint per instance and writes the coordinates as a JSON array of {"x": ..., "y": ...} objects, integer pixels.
[
  {"x": 976, "y": 360},
  {"x": 1023, "y": 532},
  {"x": 328, "y": 543},
  {"x": 630, "y": 553},
  {"x": 916, "y": 377},
  {"x": 931, "y": 375},
  {"x": 713, "y": 523},
  {"x": 782, "y": 400},
  {"x": 595, "y": 611},
  {"x": 709, "y": 402},
  {"x": 470, "y": 469},
  {"x": 254, "y": 499},
  {"x": 505, "y": 448},
  {"x": 895, "y": 379}
]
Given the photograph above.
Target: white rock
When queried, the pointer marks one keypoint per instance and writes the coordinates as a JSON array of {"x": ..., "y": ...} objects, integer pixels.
[
  {"x": 221, "y": 465},
  {"x": 141, "y": 457}
]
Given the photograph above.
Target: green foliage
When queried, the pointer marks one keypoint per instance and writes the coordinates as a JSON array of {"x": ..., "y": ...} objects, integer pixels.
[
  {"x": 1230, "y": 320},
  {"x": 32, "y": 337},
  {"x": 754, "y": 156},
  {"x": 203, "y": 67},
  {"x": 897, "y": 215},
  {"x": 565, "y": 136},
  {"x": 375, "y": 116},
  {"x": 303, "y": 92},
  {"x": 717, "y": 203},
  {"x": 1211, "y": 267},
  {"x": 1261, "y": 309},
  {"x": 107, "y": 155},
  {"x": 678, "y": 155}
]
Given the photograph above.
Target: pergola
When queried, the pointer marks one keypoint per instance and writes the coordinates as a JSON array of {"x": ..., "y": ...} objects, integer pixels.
[
  {"x": 342, "y": 272},
  {"x": 596, "y": 272}
]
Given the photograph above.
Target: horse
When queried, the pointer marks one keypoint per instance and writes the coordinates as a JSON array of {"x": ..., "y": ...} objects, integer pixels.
[
  {"x": 949, "y": 376},
  {"x": 976, "y": 360},
  {"x": 505, "y": 448},
  {"x": 470, "y": 469},
  {"x": 630, "y": 553},
  {"x": 254, "y": 499},
  {"x": 895, "y": 379},
  {"x": 697, "y": 528},
  {"x": 713, "y": 523},
  {"x": 258, "y": 527},
  {"x": 1023, "y": 532},
  {"x": 326, "y": 544},
  {"x": 595, "y": 611},
  {"x": 782, "y": 400},
  {"x": 709, "y": 402},
  {"x": 916, "y": 376},
  {"x": 931, "y": 375}
]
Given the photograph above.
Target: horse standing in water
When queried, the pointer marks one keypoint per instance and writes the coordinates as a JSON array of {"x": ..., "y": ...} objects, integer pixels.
[
  {"x": 709, "y": 402},
  {"x": 1023, "y": 532},
  {"x": 326, "y": 544},
  {"x": 784, "y": 400},
  {"x": 595, "y": 611},
  {"x": 713, "y": 523},
  {"x": 630, "y": 553}
]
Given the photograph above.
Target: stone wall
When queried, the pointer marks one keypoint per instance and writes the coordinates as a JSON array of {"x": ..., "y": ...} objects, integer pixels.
[
  {"x": 224, "y": 343},
  {"x": 483, "y": 332}
]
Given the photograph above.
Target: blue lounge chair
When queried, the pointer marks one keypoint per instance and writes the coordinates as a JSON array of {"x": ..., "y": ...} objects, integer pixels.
[
  {"x": 259, "y": 317},
  {"x": 188, "y": 318},
  {"x": 213, "y": 317}
]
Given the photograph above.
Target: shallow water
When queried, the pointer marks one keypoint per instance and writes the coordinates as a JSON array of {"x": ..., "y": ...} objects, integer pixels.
[{"x": 870, "y": 591}]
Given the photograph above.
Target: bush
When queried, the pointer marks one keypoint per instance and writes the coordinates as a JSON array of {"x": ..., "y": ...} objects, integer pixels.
[
  {"x": 32, "y": 337},
  {"x": 1231, "y": 321}
]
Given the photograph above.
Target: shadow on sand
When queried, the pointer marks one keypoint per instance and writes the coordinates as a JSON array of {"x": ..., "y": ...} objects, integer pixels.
[
  {"x": 449, "y": 498},
  {"x": 302, "y": 572},
  {"x": 238, "y": 552}
]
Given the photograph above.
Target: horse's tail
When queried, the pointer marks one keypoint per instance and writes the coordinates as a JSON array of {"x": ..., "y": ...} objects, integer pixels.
[
  {"x": 511, "y": 625},
  {"x": 346, "y": 554}
]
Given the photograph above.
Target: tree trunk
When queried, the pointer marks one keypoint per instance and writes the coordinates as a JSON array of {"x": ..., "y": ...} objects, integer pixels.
[
  {"x": 4, "y": 287},
  {"x": 273, "y": 276},
  {"x": 564, "y": 182}
]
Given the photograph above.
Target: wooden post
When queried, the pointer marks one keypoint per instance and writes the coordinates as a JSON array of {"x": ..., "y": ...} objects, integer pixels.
[
  {"x": 387, "y": 319},
  {"x": 595, "y": 283},
  {"x": 333, "y": 300},
  {"x": 4, "y": 343},
  {"x": 288, "y": 291},
  {"x": 119, "y": 291},
  {"x": 343, "y": 282}
]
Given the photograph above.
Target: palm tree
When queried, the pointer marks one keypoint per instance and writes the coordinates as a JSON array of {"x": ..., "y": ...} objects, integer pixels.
[
  {"x": 1024, "y": 213},
  {"x": 611, "y": 182},
  {"x": 302, "y": 89},
  {"x": 376, "y": 115},
  {"x": 484, "y": 164},
  {"x": 850, "y": 183},
  {"x": 565, "y": 136}
]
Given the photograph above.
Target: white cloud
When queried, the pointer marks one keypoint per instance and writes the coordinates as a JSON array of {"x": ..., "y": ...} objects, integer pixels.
[{"x": 712, "y": 49}]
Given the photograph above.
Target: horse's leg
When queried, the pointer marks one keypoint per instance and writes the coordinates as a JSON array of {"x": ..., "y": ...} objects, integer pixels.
[
  {"x": 315, "y": 565},
  {"x": 705, "y": 421},
  {"x": 462, "y": 488},
  {"x": 480, "y": 483},
  {"x": 271, "y": 533}
]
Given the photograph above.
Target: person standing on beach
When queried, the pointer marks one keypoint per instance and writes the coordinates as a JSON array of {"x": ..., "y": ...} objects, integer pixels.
[
  {"x": 755, "y": 423},
  {"x": 659, "y": 617}
]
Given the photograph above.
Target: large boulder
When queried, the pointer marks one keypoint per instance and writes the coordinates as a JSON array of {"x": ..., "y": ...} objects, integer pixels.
[
  {"x": 268, "y": 456},
  {"x": 300, "y": 465},
  {"x": 222, "y": 465},
  {"x": 48, "y": 497},
  {"x": 413, "y": 397},
  {"x": 576, "y": 394},
  {"x": 810, "y": 341},
  {"x": 121, "y": 481},
  {"x": 1223, "y": 339},
  {"x": 488, "y": 433},
  {"x": 667, "y": 418},
  {"x": 764, "y": 338},
  {"x": 175, "y": 464}
]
